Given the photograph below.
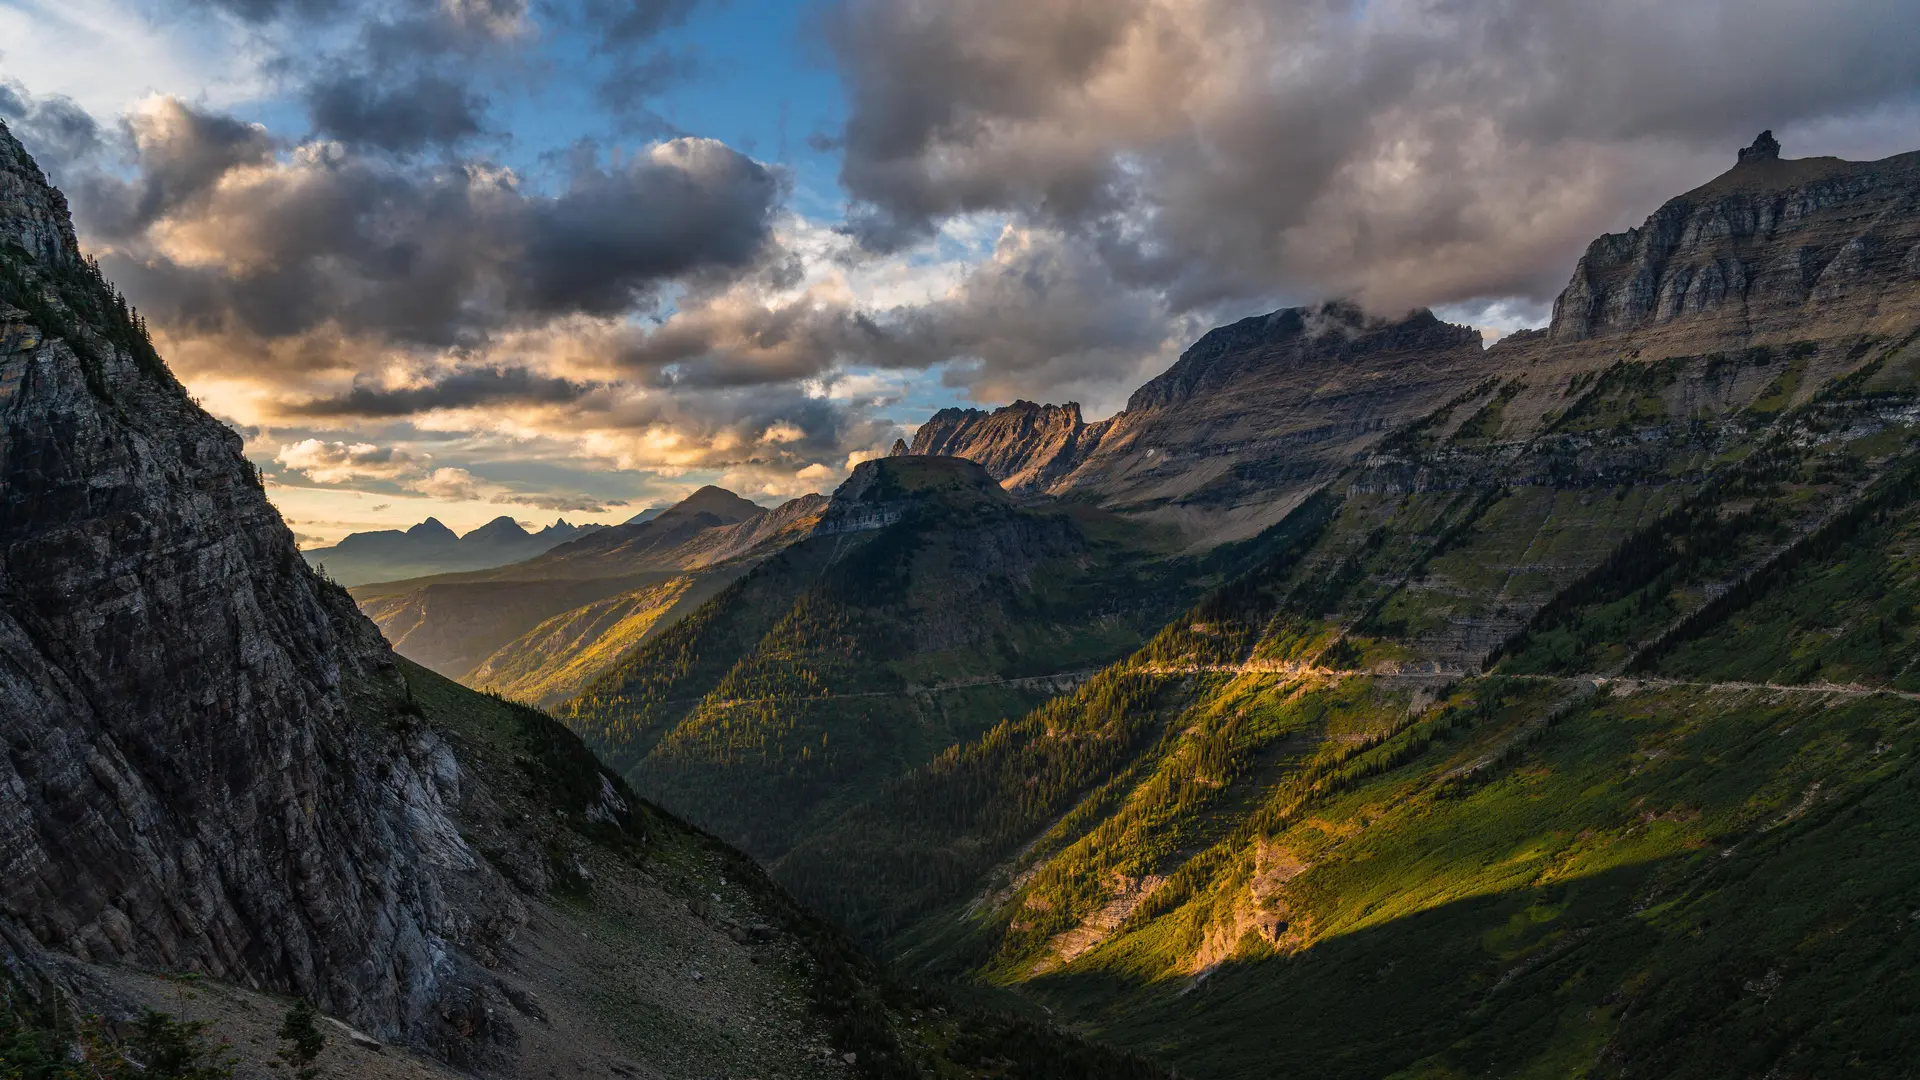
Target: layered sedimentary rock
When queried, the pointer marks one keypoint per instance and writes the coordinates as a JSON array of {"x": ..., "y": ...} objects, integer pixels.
[
  {"x": 1024, "y": 445},
  {"x": 206, "y": 767},
  {"x": 1770, "y": 246},
  {"x": 1229, "y": 438},
  {"x": 1255, "y": 414}
]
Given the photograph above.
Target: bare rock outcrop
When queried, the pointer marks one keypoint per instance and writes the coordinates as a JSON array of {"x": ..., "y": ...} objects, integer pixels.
[
  {"x": 1230, "y": 437},
  {"x": 1772, "y": 246},
  {"x": 209, "y": 763}
]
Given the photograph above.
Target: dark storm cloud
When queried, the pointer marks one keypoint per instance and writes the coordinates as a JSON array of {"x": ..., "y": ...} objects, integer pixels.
[
  {"x": 425, "y": 110},
  {"x": 683, "y": 206},
  {"x": 58, "y": 132},
  {"x": 465, "y": 389},
  {"x": 217, "y": 234},
  {"x": 1414, "y": 152}
]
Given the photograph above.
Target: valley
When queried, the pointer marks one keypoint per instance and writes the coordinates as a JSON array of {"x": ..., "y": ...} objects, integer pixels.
[
  {"x": 1360, "y": 701},
  {"x": 1459, "y": 745}
]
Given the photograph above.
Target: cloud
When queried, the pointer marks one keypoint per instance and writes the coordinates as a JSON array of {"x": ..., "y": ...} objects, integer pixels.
[
  {"x": 454, "y": 485},
  {"x": 1043, "y": 316},
  {"x": 460, "y": 390},
  {"x": 564, "y": 504},
  {"x": 1408, "y": 152},
  {"x": 60, "y": 131},
  {"x": 219, "y": 233},
  {"x": 617, "y": 23},
  {"x": 422, "y": 111},
  {"x": 261, "y": 11},
  {"x": 345, "y": 463},
  {"x": 329, "y": 464}
]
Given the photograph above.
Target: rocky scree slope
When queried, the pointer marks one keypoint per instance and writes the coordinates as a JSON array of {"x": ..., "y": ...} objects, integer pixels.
[{"x": 215, "y": 767}]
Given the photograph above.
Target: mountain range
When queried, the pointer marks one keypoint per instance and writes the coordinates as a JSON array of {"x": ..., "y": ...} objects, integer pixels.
[
  {"x": 223, "y": 794},
  {"x": 1364, "y": 702},
  {"x": 1358, "y": 702},
  {"x": 432, "y": 548}
]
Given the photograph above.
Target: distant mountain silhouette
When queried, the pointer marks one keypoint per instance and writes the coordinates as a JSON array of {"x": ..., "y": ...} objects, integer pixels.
[{"x": 432, "y": 548}]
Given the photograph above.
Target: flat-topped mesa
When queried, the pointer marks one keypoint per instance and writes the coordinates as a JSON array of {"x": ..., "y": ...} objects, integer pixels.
[{"x": 1805, "y": 247}]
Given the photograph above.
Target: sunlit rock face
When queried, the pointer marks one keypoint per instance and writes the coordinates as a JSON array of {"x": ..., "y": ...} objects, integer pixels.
[
  {"x": 1771, "y": 245},
  {"x": 1229, "y": 438}
]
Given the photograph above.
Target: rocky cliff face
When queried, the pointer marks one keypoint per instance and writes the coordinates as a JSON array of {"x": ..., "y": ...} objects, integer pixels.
[
  {"x": 1256, "y": 414},
  {"x": 1772, "y": 245},
  {"x": 1024, "y": 445},
  {"x": 207, "y": 765},
  {"x": 215, "y": 765},
  {"x": 1239, "y": 429}
]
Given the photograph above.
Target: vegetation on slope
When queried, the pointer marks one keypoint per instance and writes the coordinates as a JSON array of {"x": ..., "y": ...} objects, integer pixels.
[
  {"x": 1299, "y": 834},
  {"x": 863, "y": 653},
  {"x": 888, "y": 1029}
]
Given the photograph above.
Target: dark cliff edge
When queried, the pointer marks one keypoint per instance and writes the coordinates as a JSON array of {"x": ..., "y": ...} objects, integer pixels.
[
  {"x": 216, "y": 768},
  {"x": 198, "y": 775}
]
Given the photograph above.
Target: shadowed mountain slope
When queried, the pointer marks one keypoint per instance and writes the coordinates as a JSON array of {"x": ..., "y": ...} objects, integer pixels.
[{"x": 218, "y": 772}]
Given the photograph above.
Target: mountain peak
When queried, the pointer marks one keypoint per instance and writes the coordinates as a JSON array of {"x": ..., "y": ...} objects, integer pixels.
[
  {"x": 890, "y": 480},
  {"x": 432, "y": 529},
  {"x": 1765, "y": 148},
  {"x": 1294, "y": 338},
  {"x": 500, "y": 528},
  {"x": 717, "y": 502},
  {"x": 1771, "y": 246},
  {"x": 33, "y": 213}
]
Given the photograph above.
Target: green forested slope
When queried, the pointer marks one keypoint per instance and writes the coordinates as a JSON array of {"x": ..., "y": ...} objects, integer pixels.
[
  {"x": 1299, "y": 832},
  {"x": 932, "y": 607}
]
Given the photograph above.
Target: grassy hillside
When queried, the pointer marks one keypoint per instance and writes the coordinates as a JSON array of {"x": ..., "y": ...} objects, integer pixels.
[
  {"x": 612, "y": 858},
  {"x": 933, "y": 607},
  {"x": 1299, "y": 831},
  {"x": 560, "y": 657}
]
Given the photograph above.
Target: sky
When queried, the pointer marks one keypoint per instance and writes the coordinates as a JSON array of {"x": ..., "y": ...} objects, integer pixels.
[{"x": 576, "y": 258}]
